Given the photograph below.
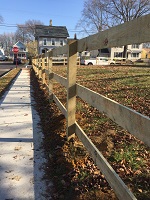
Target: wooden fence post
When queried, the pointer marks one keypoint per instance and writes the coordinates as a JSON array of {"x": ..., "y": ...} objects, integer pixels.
[
  {"x": 37, "y": 66},
  {"x": 71, "y": 87},
  {"x": 40, "y": 67},
  {"x": 50, "y": 77},
  {"x": 34, "y": 61},
  {"x": 43, "y": 69},
  {"x": 34, "y": 64},
  {"x": 64, "y": 61}
]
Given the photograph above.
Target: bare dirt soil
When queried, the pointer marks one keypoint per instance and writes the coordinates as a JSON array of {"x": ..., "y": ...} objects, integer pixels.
[{"x": 69, "y": 165}]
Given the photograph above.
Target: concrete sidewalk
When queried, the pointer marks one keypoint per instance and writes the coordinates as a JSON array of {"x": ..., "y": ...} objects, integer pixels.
[{"x": 21, "y": 155}]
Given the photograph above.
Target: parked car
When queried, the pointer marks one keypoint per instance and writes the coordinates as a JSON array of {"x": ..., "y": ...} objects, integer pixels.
[
  {"x": 95, "y": 61},
  {"x": 2, "y": 58},
  {"x": 17, "y": 61},
  {"x": 6, "y": 58}
]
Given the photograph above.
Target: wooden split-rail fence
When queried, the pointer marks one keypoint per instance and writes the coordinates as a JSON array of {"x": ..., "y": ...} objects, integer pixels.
[
  {"x": 134, "y": 32},
  {"x": 61, "y": 61}
]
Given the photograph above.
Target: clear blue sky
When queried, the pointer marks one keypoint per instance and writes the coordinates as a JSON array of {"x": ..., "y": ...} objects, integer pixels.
[{"x": 62, "y": 12}]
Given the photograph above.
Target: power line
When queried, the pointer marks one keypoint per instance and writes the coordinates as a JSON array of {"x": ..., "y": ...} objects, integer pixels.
[
  {"x": 7, "y": 25},
  {"x": 17, "y": 26}
]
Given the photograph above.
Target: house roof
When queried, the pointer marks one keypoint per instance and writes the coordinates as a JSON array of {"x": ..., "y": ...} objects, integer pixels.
[
  {"x": 146, "y": 50},
  {"x": 20, "y": 45},
  {"x": 51, "y": 31}
]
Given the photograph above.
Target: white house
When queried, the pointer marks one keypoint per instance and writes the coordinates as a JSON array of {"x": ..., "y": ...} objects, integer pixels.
[
  {"x": 133, "y": 52},
  {"x": 49, "y": 37}
]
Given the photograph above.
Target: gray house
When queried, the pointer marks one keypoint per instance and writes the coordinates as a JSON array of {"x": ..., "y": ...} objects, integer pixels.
[{"x": 49, "y": 37}]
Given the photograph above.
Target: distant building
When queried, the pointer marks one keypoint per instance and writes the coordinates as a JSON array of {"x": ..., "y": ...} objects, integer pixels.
[
  {"x": 145, "y": 53},
  {"x": 23, "y": 52},
  {"x": 49, "y": 37},
  {"x": 133, "y": 52},
  {"x": 146, "y": 45}
]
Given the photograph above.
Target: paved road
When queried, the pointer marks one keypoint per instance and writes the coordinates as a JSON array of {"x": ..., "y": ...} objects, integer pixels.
[{"x": 6, "y": 66}]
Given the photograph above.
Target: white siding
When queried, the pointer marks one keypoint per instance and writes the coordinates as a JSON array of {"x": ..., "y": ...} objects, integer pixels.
[
  {"x": 49, "y": 42},
  {"x": 134, "y": 51},
  {"x": 49, "y": 45}
]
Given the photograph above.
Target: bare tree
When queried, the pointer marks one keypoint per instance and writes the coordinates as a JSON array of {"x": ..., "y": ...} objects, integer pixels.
[
  {"x": 7, "y": 40},
  {"x": 94, "y": 18},
  {"x": 99, "y": 15},
  {"x": 21, "y": 33},
  {"x": 25, "y": 32},
  {"x": 126, "y": 10}
]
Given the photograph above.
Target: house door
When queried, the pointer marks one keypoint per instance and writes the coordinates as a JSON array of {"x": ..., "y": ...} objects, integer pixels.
[{"x": 44, "y": 50}]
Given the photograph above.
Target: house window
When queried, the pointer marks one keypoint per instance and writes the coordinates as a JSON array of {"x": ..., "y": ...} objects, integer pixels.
[
  {"x": 118, "y": 54},
  {"x": 61, "y": 42},
  {"x": 135, "y": 55},
  {"x": 135, "y": 46},
  {"x": 43, "y": 50},
  {"x": 44, "y": 41},
  {"x": 86, "y": 53},
  {"x": 53, "y": 42}
]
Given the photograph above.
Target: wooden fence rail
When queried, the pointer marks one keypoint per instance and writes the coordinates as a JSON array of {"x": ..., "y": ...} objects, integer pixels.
[{"x": 136, "y": 31}]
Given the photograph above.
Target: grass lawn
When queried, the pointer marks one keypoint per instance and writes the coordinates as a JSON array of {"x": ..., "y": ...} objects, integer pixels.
[
  {"x": 6, "y": 80},
  {"x": 69, "y": 165}
]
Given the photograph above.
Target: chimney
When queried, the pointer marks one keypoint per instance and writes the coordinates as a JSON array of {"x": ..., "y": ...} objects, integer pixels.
[{"x": 50, "y": 22}]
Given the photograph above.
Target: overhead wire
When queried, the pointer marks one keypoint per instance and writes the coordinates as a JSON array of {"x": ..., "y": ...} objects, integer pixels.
[{"x": 15, "y": 26}]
